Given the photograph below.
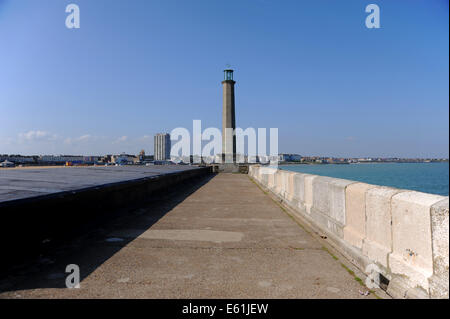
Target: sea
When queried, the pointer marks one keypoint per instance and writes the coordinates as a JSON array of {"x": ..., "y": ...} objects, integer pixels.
[{"x": 423, "y": 177}]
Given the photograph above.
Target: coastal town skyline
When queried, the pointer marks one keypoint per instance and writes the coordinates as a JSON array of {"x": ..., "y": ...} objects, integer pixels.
[
  {"x": 329, "y": 84},
  {"x": 135, "y": 158}
]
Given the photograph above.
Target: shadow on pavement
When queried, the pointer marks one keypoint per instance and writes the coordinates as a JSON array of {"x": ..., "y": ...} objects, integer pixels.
[{"x": 89, "y": 246}]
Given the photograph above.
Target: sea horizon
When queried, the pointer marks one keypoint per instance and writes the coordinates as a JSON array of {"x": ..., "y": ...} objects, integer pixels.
[{"x": 432, "y": 178}]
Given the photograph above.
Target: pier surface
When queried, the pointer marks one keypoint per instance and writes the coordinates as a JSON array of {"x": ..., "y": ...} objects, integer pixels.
[
  {"x": 219, "y": 237},
  {"x": 26, "y": 182}
]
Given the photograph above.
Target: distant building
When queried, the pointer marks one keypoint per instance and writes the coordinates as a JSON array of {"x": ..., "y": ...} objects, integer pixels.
[
  {"x": 55, "y": 159},
  {"x": 162, "y": 147},
  {"x": 106, "y": 159},
  {"x": 124, "y": 159},
  {"x": 91, "y": 159},
  {"x": 6, "y": 163},
  {"x": 18, "y": 159},
  {"x": 289, "y": 158},
  {"x": 142, "y": 156}
]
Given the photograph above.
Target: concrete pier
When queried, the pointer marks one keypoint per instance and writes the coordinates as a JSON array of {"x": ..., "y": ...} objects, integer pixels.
[
  {"x": 28, "y": 182},
  {"x": 398, "y": 237},
  {"x": 219, "y": 236},
  {"x": 38, "y": 205}
]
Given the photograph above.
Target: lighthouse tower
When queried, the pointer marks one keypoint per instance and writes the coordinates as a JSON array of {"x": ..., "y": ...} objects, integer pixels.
[{"x": 228, "y": 119}]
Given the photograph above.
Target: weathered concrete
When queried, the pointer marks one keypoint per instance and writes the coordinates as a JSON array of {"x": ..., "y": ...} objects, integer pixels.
[
  {"x": 439, "y": 282},
  {"x": 378, "y": 242},
  {"x": 222, "y": 239},
  {"x": 401, "y": 236},
  {"x": 329, "y": 203},
  {"x": 355, "y": 207},
  {"x": 411, "y": 220},
  {"x": 29, "y": 182},
  {"x": 309, "y": 192},
  {"x": 77, "y": 198}
]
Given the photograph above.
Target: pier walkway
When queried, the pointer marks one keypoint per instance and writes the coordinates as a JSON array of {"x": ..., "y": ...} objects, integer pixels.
[{"x": 219, "y": 237}]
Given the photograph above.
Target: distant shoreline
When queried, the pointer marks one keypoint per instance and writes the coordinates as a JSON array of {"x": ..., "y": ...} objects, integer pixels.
[{"x": 298, "y": 163}]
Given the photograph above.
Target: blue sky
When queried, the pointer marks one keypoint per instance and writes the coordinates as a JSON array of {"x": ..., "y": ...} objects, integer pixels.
[{"x": 310, "y": 68}]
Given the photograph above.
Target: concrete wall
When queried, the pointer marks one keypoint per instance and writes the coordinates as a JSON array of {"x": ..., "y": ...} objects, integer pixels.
[
  {"x": 27, "y": 222},
  {"x": 399, "y": 234}
]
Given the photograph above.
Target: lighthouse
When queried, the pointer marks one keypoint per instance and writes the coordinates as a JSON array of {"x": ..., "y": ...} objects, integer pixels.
[{"x": 228, "y": 119}]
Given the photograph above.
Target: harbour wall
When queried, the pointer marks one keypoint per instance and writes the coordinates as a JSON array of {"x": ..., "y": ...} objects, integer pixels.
[
  {"x": 399, "y": 238},
  {"x": 28, "y": 224}
]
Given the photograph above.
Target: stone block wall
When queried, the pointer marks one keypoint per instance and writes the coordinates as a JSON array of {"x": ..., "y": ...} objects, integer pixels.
[{"x": 402, "y": 234}]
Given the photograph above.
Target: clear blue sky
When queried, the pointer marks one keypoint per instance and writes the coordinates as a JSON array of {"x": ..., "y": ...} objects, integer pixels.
[{"x": 310, "y": 68}]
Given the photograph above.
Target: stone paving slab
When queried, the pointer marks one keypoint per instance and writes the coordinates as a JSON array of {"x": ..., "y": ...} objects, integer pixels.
[{"x": 227, "y": 239}]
